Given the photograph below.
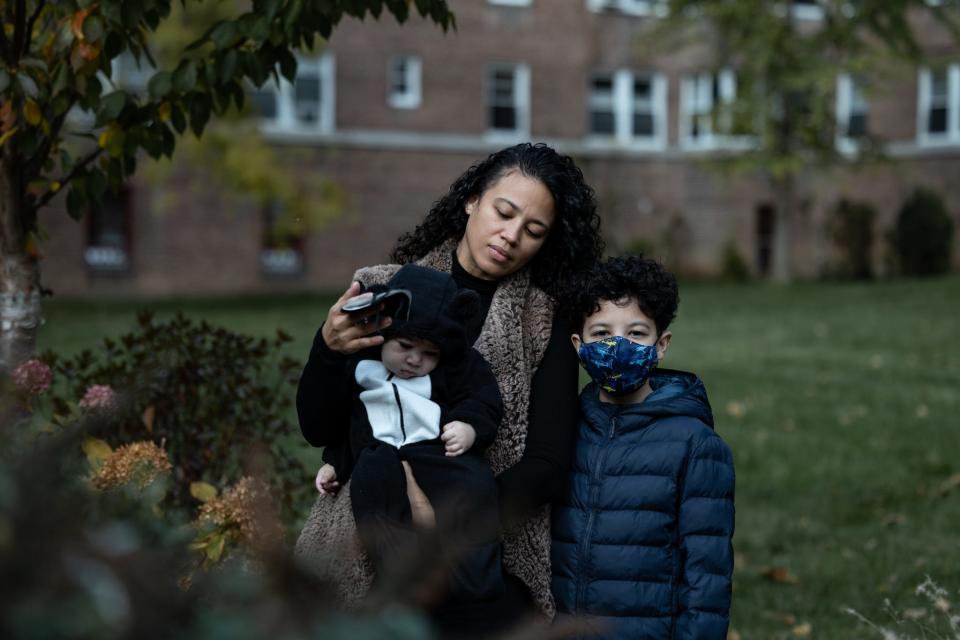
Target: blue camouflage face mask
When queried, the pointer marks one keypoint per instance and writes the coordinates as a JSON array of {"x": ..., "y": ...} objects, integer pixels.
[{"x": 618, "y": 365}]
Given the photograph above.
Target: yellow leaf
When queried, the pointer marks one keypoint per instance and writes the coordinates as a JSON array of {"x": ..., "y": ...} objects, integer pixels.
[
  {"x": 96, "y": 451},
  {"x": 31, "y": 112},
  {"x": 55, "y": 186},
  {"x": 164, "y": 111},
  {"x": 215, "y": 548},
  {"x": 7, "y": 136},
  {"x": 148, "y": 415},
  {"x": 202, "y": 491},
  {"x": 802, "y": 630},
  {"x": 76, "y": 24},
  {"x": 104, "y": 138}
]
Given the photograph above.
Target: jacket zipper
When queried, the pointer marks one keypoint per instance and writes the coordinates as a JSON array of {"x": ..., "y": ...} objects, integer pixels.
[
  {"x": 591, "y": 514},
  {"x": 396, "y": 395}
]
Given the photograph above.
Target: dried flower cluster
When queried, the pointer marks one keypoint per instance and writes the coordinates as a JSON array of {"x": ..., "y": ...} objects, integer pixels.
[
  {"x": 99, "y": 397},
  {"x": 32, "y": 377},
  {"x": 246, "y": 506},
  {"x": 139, "y": 462}
]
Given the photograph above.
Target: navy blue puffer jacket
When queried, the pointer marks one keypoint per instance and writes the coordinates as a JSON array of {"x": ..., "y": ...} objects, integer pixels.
[{"x": 642, "y": 538}]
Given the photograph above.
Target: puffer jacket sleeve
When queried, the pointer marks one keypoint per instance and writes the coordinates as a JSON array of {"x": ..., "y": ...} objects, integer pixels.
[{"x": 706, "y": 551}]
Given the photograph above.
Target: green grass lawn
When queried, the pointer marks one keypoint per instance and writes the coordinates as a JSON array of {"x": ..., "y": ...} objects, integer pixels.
[{"x": 840, "y": 402}]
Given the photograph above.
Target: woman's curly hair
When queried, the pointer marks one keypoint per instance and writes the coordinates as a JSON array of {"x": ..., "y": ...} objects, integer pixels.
[
  {"x": 573, "y": 244},
  {"x": 628, "y": 277}
]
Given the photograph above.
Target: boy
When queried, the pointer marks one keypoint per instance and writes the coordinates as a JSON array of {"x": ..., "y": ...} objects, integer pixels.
[
  {"x": 642, "y": 539},
  {"x": 423, "y": 397}
]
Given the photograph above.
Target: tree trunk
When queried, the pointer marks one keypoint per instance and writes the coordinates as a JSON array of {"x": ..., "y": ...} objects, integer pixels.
[
  {"x": 784, "y": 190},
  {"x": 19, "y": 274}
]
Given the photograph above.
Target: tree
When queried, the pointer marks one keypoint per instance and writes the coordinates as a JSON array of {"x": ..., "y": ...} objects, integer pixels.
[
  {"x": 786, "y": 77},
  {"x": 55, "y": 62}
]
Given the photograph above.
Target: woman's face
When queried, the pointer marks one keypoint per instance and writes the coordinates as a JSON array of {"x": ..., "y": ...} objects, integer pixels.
[{"x": 506, "y": 226}]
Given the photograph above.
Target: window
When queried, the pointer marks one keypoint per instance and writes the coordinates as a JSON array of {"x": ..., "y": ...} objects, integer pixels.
[
  {"x": 705, "y": 120},
  {"x": 508, "y": 100},
  {"x": 658, "y": 8},
  {"x": 628, "y": 108},
  {"x": 306, "y": 105},
  {"x": 108, "y": 234},
  {"x": 852, "y": 111},
  {"x": 403, "y": 76},
  {"x": 282, "y": 246},
  {"x": 939, "y": 105}
]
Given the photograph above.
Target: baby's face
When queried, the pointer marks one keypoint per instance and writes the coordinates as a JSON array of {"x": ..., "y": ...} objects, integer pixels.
[{"x": 409, "y": 357}]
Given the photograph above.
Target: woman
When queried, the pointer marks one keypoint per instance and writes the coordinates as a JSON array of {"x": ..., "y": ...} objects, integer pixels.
[{"x": 514, "y": 228}]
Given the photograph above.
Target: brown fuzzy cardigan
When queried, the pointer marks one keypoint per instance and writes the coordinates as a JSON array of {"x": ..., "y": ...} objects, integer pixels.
[{"x": 513, "y": 340}]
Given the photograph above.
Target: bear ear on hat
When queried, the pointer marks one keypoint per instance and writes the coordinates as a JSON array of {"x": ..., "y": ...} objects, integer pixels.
[{"x": 464, "y": 305}]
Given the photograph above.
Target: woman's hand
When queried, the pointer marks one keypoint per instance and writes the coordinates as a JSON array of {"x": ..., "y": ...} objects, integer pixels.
[
  {"x": 327, "y": 480},
  {"x": 349, "y": 333},
  {"x": 421, "y": 511}
]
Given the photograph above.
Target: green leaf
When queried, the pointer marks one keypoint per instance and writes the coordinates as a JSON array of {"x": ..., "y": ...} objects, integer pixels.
[
  {"x": 92, "y": 28},
  {"x": 224, "y": 35},
  {"x": 214, "y": 550},
  {"x": 160, "y": 84},
  {"x": 199, "y": 113},
  {"x": 96, "y": 183},
  {"x": 203, "y": 491},
  {"x": 178, "y": 119},
  {"x": 110, "y": 107},
  {"x": 185, "y": 77},
  {"x": 288, "y": 64},
  {"x": 227, "y": 66},
  {"x": 77, "y": 200}
]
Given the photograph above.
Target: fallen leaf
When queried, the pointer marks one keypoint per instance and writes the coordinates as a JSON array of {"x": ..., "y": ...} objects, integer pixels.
[
  {"x": 941, "y": 604},
  {"x": 950, "y": 484},
  {"x": 780, "y": 575},
  {"x": 733, "y": 634},
  {"x": 914, "y": 614},
  {"x": 922, "y": 411},
  {"x": 802, "y": 630},
  {"x": 876, "y": 361},
  {"x": 736, "y": 409}
]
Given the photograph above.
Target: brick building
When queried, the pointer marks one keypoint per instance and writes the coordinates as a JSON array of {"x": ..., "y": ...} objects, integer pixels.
[{"x": 394, "y": 113}]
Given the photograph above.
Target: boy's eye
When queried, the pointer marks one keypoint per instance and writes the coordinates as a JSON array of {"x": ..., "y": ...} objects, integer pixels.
[
  {"x": 404, "y": 345},
  {"x": 431, "y": 354}
]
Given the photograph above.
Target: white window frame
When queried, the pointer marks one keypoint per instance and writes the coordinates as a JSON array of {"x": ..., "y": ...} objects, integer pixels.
[
  {"x": 810, "y": 12},
  {"x": 624, "y": 109},
  {"x": 511, "y": 3},
  {"x": 924, "y": 98},
  {"x": 286, "y": 120},
  {"x": 412, "y": 70},
  {"x": 846, "y": 86},
  {"x": 696, "y": 100},
  {"x": 521, "y": 101},
  {"x": 639, "y": 8}
]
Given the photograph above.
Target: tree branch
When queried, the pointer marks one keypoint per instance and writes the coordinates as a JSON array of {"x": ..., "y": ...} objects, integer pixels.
[
  {"x": 18, "y": 28},
  {"x": 31, "y": 22},
  {"x": 77, "y": 168}
]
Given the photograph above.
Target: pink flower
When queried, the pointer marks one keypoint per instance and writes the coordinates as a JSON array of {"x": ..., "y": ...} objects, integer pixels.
[
  {"x": 98, "y": 397},
  {"x": 32, "y": 377}
]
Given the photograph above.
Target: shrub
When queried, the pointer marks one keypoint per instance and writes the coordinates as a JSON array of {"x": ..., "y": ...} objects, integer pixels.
[
  {"x": 923, "y": 235},
  {"x": 216, "y": 401},
  {"x": 733, "y": 266},
  {"x": 851, "y": 229}
]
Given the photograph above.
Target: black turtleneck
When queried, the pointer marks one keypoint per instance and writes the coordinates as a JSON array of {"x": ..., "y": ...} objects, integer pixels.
[{"x": 539, "y": 476}]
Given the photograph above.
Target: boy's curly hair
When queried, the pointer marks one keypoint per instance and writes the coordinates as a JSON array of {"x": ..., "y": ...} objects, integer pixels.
[{"x": 624, "y": 277}]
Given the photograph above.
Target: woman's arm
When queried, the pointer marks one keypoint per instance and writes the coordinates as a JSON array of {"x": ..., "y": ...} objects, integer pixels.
[{"x": 539, "y": 476}]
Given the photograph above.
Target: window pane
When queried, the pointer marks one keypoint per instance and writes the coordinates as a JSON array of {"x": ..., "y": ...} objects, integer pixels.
[
  {"x": 307, "y": 97},
  {"x": 938, "y": 86},
  {"x": 601, "y": 122},
  {"x": 938, "y": 120},
  {"x": 503, "y": 118},
  {"x": 264, "y": 103},
  {"x": 643, "y": 124},
  {"x": 857, "y": 125},
  {"x": 107, "y": 234}
]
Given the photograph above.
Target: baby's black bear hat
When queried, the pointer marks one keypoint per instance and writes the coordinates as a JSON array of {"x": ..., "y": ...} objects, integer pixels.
[{"x": 439, "y": 310}]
